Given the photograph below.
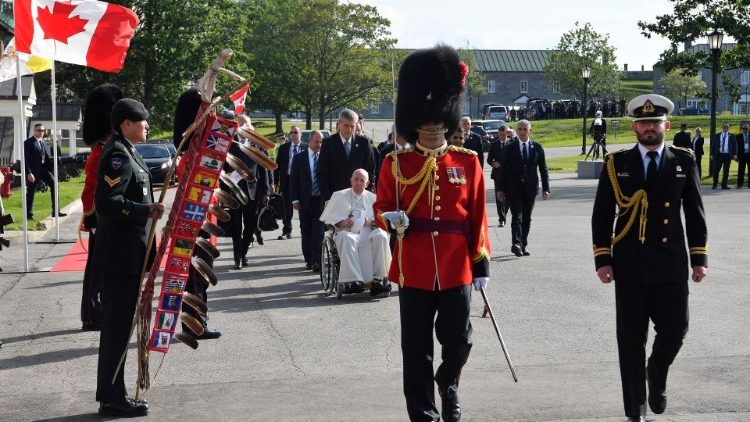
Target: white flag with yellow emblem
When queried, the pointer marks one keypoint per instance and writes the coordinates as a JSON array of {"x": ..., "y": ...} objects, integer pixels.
[{"x": 29, "y": 63}]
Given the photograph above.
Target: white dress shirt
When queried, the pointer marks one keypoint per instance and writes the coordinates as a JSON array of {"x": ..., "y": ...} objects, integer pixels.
[{"x": 646, "y": 159}]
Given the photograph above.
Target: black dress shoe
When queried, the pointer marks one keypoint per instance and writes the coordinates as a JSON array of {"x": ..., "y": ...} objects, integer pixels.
[
  {"x": 288, "y": 235},
  {"x": 209, "y": 334},
  {"x": 125, "y": 409},
  {"x": 281, "y": 237},
  {"x": 502, "y": 224},
  {"x": 525, "y": 252},
  {"x": 657, "y": 398},
  {"x": 315, "y": 267},
  {"x": 61, "y": 214},
  {"x": 725, "y": 187},
  {"x": 516, "y": 249},
  {"x": 259, "y": 238},
  {"x": 30, "y": 216},
  {"x": 636, "y": 419},
  {"x": 244, "y": 261},
  {"x": 140, "y": 401},
  {"x": 308, "y": 266},
  {"x": 451, "y": 409},
  {"x": 237, "y": 266}
]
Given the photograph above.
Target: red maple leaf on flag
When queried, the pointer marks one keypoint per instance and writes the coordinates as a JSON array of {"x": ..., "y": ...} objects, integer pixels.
[{"x": 57, "y": 24}]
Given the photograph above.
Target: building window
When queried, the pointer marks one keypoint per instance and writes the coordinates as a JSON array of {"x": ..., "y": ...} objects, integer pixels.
[
  {"x": 375, "y": 108},
  {"x": 745, "y": 77},
  {"x": 490, "y": 86},
  {"x": 524, "y": 87}
]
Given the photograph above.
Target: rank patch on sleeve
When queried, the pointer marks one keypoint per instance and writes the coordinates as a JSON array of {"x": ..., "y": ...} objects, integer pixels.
[
  {"x": 116, "y": 163},
  {"x": 112, "y": 182}
]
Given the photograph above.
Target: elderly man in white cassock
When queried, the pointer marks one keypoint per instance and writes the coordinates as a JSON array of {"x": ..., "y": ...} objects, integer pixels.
[{"x": 362, "y": 246}]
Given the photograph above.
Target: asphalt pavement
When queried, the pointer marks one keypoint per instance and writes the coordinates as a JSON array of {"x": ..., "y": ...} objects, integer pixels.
[{"x": 289, "y": 352}]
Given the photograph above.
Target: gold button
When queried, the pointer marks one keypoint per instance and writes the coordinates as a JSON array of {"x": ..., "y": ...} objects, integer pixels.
[
  {"x": 437, "y": 177},
  {"x": 437, "y": 198},
  {"x": 436, "y": 218},
  {"x": 666, "y": 221},
  {"x": 437, "y": 208},
  {"x": 437, "y": 187},
  {"x": 664, "y": 240},
  {"x": 666, "y": 205},
  {"x": 434, "y": 233}
]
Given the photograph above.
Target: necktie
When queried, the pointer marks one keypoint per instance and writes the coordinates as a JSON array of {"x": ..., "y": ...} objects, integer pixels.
[
  {"x": 315, "y": 188},
  {"x": 44, "y": 151},
  {"x": 724, "y": 143},
  {"x": 524, "y": 153},
  {"x": 347, "y": 148},
  {"x": 652, "y": 169}
]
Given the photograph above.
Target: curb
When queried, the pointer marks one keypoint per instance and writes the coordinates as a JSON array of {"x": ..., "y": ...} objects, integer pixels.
[{"x": 16, "y": 236}]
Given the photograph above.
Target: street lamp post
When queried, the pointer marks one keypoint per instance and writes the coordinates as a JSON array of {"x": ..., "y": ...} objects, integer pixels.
[
  {"x": 714, "y": 43},
  {"x": 586, "y": 74}
]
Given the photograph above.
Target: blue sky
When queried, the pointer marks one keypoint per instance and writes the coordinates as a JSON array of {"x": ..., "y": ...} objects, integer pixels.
[{"x": 532, "y": 25}]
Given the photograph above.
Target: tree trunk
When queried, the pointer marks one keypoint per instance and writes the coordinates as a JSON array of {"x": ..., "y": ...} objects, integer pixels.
[
  {"x": 308, "y": 117},
  {"x": 279, "y": 126}
]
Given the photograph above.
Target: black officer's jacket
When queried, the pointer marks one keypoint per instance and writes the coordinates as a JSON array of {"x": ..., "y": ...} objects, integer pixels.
[
  {"x": 662, "y": 258},
  {"x": 123, "y": 195}
]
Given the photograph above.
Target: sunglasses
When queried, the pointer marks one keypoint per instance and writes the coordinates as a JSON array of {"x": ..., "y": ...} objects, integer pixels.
[{"x": 294, "y": 132}]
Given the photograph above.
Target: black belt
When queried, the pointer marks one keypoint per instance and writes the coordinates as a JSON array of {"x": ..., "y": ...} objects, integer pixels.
[{"x": 441, "y": 226}]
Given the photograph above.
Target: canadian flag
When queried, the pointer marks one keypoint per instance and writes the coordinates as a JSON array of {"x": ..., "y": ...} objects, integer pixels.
[
  {"x": 85, "y": 32},
  {"x": 238, "y": 98}
]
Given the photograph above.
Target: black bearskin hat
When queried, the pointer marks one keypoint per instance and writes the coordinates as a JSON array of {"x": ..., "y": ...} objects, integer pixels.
[
  {"x": 184, "y": 114},
  {"x": 97, "y": 112},
  {"x": 430, "y": 84}
]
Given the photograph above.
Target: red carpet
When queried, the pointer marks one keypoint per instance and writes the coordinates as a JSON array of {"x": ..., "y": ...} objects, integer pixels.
[{"x": 75, "y": 259}]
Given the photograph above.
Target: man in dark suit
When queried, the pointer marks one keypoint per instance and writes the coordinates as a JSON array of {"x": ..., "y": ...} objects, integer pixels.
[
  {"x": 341, "y": 154},
  {"x": 284, "y": 157},
  {"x": 697, "y": 147},
  {"x": 305, "y": 191},
  {"x": 649, "y": 261},
  {"x": 518, "y": 181},
  {"x": 473, "y": 140},
  {"x": 38, "y": 169},
  {"x": 495, "y": 159},
  {"x": 723, "y": 150},
  {"x": 743, "y": 154},
  {"x": 682, "y": 138}
]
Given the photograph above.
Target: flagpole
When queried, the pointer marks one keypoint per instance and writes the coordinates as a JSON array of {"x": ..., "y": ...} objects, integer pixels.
[
  {"x": 56, "y": 182},
  {"x": 20, "y": 142}
]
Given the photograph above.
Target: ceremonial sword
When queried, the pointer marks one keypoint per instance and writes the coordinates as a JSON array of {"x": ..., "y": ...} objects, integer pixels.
[{"x": 499, "y": 336}]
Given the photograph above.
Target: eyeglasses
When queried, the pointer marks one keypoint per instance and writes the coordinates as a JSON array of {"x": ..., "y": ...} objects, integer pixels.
[
  {"x": 38, "y": 130},
  {"x": 294, "y": 132}
]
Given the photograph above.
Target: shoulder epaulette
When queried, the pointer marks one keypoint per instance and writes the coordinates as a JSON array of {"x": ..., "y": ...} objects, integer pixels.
[
  {"x": 683, "y": 150},
  {"x": 401, "y": 151},
  {"x": 462, "y": 150}
]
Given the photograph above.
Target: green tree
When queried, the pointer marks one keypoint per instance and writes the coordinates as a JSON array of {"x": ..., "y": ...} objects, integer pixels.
[
  {"x": 475, "y": 81},
  {"x": 694, "y": 19},
  {"x": 584, "y": 47},
  {"x": 678, "y": 84}
]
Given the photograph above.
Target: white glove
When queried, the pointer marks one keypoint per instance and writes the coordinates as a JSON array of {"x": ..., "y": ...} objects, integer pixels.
[
  {"x": 480, "y": 283},
  {"x": 397, "y": 219}
]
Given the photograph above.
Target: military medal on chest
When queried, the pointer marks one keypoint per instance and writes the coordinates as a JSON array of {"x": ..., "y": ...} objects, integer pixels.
[{"x": 456, "y": 175}]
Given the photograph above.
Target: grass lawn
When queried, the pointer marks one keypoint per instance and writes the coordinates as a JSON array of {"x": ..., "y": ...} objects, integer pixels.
[
  {"x": 634, "y": 88},
  {"x": 69, "y": 192},
  {"x": 570, "y": 165}
]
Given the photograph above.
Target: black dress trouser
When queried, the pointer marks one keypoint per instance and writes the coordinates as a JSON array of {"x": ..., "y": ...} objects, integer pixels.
[
  {"x": 743, "y": 163},
  {"x": 521, "y": 205},
  {"x": 286, "y": 196},
  {"x": 453, "y": 330},
  {"x": 722, "y": 161},
  {"x": 90, "y": 301},
  {"x": 244, "y": 222},
  {"x": 667, "y": 306},
  {"x": 312, "y": 230},
  {"x": 46, "y": 177}
]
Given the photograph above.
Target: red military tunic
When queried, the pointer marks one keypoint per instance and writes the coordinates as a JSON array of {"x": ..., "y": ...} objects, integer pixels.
[
  {"x": 442, "y": 192},
  {"x": 89, "y": 185}
]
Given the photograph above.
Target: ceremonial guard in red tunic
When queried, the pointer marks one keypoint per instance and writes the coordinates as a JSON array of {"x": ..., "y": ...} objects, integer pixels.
[
  {"x": 97, "y": 130},
  {"x": 641, "y": 192},
  {"x": 432, "y": 198}
]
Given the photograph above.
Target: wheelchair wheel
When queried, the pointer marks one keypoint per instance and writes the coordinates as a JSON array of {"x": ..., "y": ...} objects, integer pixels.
[{"x": 326, "y": 265}]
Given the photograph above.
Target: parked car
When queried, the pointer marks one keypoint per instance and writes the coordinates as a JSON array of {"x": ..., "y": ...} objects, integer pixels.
[
  {"x": 488, "y": 130},
  {"x": 497, "y": 112},
  {"x": 158, "y": 158},
  {"x": 693, "y": 111}
]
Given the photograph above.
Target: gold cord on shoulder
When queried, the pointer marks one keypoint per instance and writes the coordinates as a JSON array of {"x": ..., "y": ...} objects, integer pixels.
[
  {"x": 634, "y": 204},
  {"x": 425, "y": 175}
]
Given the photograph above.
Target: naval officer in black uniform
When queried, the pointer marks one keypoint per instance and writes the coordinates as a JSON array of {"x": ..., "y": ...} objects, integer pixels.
[
  {"x": 124, "y": 204},
  {"x": 646, "y": 256}
]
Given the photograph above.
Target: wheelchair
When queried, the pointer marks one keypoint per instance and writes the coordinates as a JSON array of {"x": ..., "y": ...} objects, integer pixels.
[{"x": 330, "y": 264}]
